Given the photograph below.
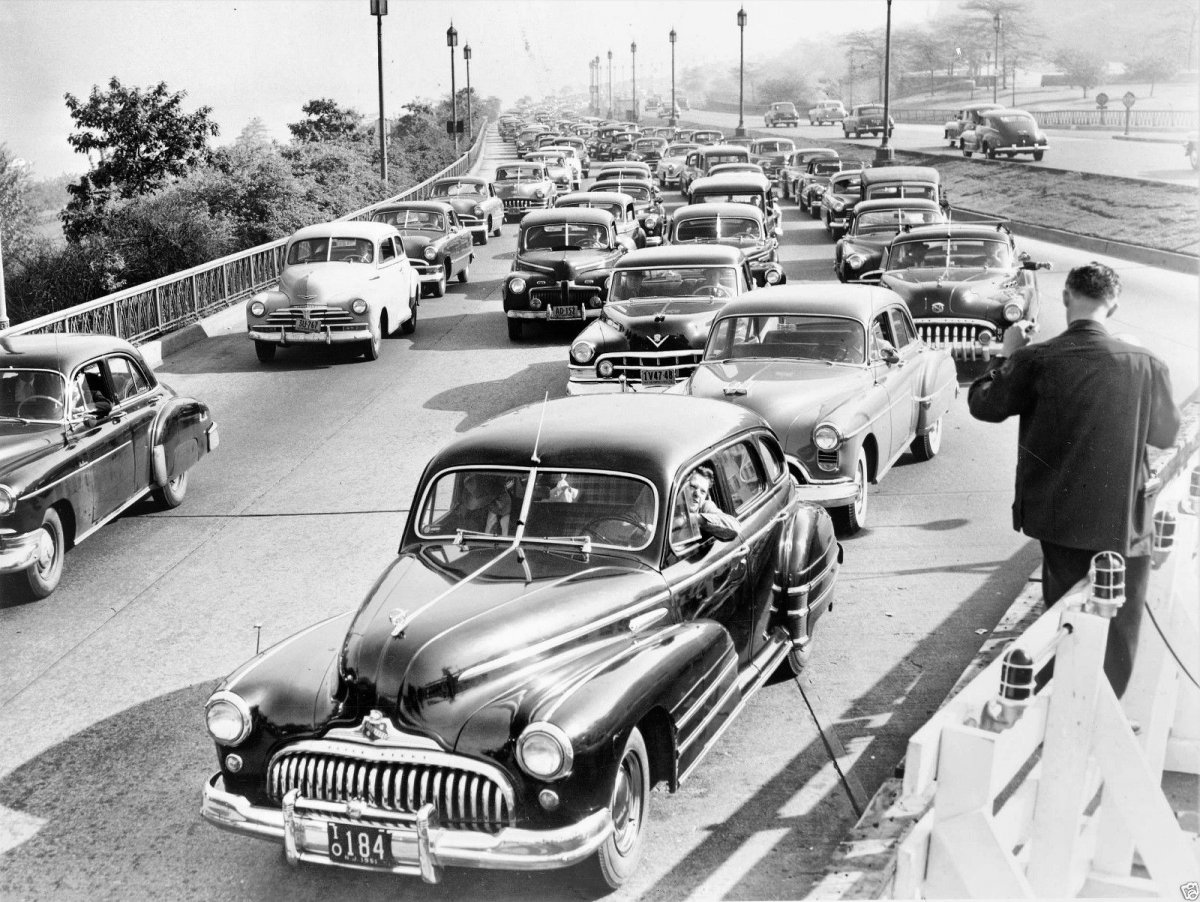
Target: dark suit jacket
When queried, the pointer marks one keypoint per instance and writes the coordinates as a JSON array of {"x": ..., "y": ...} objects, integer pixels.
[{"x": 1089, "y": 403}]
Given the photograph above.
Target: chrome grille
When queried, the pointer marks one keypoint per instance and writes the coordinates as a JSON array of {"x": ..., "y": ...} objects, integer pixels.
[
  {"x": 960, "y": 337},
  {"x": 524, "y": 203},
  {"x": 464, "y": 799},
  {"x": 827, "y": 460},
  {"x": 285, "y": 316},
  {"x": 651, "y": 366},
  {"x": 574, "y": 294}
]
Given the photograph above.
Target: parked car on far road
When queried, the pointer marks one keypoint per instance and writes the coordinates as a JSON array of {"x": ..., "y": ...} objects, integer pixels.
[
  {"x": 826, "y": 112},
  {"x": 866, "y": 119},
  {"x": 1005, "y": 133},
  {"x": 781, "y": 112}
]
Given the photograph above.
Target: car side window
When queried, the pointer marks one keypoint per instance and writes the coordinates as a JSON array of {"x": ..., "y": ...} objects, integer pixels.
[
  {"x": 881, "y": 331},
  {"x": 128, "y": 381},
  {"x": 387, "y": 250},
  {"x": 743, "y": 474},
  {"x": 902, "y": 328},
  {"x": 772, "y": 457},
  {"x": 88, "y": 389}
]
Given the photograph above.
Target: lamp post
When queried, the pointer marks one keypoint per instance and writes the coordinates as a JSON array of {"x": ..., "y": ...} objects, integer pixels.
[
  {"x": 610, "y": 108},
  {"x": 378, "y": 10},
  {"x": 740, "y": 131},
  {"x": 633, "y": 54},
  {"x": 596, "y": 91},
  {"x": 996, "y": 68},
  {"x": 470, "y": 118},
  {"x": 672, "y": 121},
  {"x": 452, "y": 42},
  {"x": 884, "y": 153}
]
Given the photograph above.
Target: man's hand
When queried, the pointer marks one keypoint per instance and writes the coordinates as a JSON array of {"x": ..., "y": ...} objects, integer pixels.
[{"x": 1017, "y": 336}]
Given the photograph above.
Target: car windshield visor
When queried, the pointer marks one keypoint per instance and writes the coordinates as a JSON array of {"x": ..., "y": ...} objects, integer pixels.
[{"x": 825, "y": 339}]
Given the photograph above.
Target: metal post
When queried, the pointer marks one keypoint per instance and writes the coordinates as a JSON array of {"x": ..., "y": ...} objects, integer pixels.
[
  {"x": 4, "y": 323},
  {"x": 885, "y": 153},
  {"x": 470, "y": 117},
  {"x": 633, "y": 54},
  {"x": 379, "y": 10},
  {"x": 452, "y": 42},
  {"x": 672, "y": 121},
  {"x": 610, "y": 106},
  {"x": 740, "y": 131},
  {"x": 996, "y": 67}
]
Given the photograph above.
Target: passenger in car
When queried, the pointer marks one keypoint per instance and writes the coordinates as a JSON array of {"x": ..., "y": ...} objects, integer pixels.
[{"x": 696, "y": 515}]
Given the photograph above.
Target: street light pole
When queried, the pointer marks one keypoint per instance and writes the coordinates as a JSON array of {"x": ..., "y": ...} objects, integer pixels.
[
  {"x": 740, "y": 131},
  {"x": 633, "y": 54},
  {"x": 884, "y": 153},
  {"x": 378, "y": 10},
  {"x": 672, "y": 120},
  {"x": 610, "y": 106},
  {"x": 4, "y": 324},
  {"x": 995, "y": 69},
  {"x": 452, "y": 42},
  {"x": 470, "y": 117}
]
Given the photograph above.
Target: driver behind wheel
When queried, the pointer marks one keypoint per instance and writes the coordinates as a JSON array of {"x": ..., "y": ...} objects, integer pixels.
[
  {"x": 718, "y": 283},
  {"x": 30, "y": 394}
]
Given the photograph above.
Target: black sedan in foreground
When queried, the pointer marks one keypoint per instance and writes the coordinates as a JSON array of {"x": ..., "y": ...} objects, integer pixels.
[{"x": 576, "y": 613}]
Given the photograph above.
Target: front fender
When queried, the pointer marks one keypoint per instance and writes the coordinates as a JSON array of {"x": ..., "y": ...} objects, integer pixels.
[
  {"x": 179, "y": 437},
  {"x": 938, "y": 390}
]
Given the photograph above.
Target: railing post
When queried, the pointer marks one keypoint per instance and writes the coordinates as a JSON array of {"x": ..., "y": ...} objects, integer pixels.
[
  {"x": 195, "y": 296},
  {"x": 158, "y": 305}
]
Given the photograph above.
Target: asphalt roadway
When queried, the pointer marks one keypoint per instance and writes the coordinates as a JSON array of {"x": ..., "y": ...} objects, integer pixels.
[{"x": 102, "y": 744}]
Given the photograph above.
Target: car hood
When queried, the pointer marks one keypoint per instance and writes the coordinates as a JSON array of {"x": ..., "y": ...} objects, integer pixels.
[
  {"x": 562, "y": 264},
  {"x": 525, "y": 189},
  {"x": 414, "y": 245},
  {"x": 786, "y": 393},
  {"x": 464, "y": 203},
  {"x": 21, "y": 445},
  {"x": 320, "y": 283},
  {"x": 446, "y": 630},
  {"x": 664, "y": 323},
  {"x": 971, "y": 292}
]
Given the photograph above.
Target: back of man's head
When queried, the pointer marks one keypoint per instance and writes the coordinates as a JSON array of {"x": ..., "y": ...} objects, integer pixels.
[{"x": 1095, "y": 282}]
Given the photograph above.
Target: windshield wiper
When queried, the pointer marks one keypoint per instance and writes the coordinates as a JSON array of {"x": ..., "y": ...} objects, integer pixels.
[
  {"x": 21, "y": 420},
  {"x": 461, "y": 536}
]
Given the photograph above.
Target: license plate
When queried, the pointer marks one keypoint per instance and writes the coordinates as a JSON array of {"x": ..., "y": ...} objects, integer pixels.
[
  {"x": 571, "y": 312},
  {"x": 308, "y": 325},
  {"x": 368, "y": 846},
  {"x": 659, "y": 377}
]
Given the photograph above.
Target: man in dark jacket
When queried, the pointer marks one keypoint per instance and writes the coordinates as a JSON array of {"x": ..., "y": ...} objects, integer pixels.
[{"x": 1089, "y": 403}]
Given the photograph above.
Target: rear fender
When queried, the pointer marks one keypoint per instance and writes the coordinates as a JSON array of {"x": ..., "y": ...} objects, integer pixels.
[
  {"x": 179, "y": 437},
  {"x": 939, "y": 389},
  {"x": 807, "y": 562}
]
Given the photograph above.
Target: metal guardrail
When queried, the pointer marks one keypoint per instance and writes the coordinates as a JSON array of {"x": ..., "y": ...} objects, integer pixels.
[
  {"x": 152, "y": 309},
  {"x": 1169, "y": 120}
]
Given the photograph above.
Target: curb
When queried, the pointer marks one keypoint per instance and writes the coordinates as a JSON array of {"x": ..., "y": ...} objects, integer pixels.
[
  {"x": 224, "y": 322},
  {"x": 1151, "y": 140}
]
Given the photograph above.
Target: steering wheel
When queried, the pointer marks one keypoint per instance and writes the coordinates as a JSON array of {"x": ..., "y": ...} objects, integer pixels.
[
  {"x": 353, "y": 258},
  {"x": 714, "y": 291},
  {"x": 637, "y": 533},
  {"x": 55, "y": 402}
]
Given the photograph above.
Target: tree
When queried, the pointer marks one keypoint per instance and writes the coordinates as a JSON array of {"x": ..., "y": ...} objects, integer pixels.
[
  {"x": 143, "y": 139},
  {"x": 1082, "y": 67},
  {"x": 18, "y": 219},
  {"x": 327, "y": 121},
  {"x": 1152, "y": 68},
  {"x": 926, "y": 50},
  {"x": 255, "y": 188}
]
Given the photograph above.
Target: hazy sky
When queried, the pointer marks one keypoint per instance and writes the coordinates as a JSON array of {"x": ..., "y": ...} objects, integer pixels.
[{"x": 266, "y": 58}]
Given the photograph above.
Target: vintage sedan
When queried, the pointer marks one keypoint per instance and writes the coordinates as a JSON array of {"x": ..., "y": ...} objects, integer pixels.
[
  {"x": 646, "y": 202},
  {"x": 782, "y": 112},
  {"x": 556, "y": 249},
  {"x": 708, "y": 136},
  {"x": 740, "y": 188},
  {"x": 621, "y": 206},
  {"x": 651, "y": 331},
  {"x": 787, "y": 181},
  {"x": 873, "y": 225},
  {"x": 866, "y": 119},
  {"x": 474, "y": 200},
  {"x": 1005, "y": 132},
  {"x": 437, "y": 244},
  {"x": 566, "y": 177},
  {"x": 770, "y": 154},
  {"x": 742, "y": 226},
  {"x": 523, "y": 187},
  {"x": 86, "y": 431},
  {"x": 838, "y": 201},
  {"x": 671, "y": 165},
  {"x": 811, "y": 184},
  {"x": 528, "y": 668},
  {"x": 648, "y": 151},
  {"x": 840, "y": 374},
  {"x": 964, "y": 283},
  {"x": 343, "y": 283},
  {"x": 966, "y": 118},
  {"x": 826, "y": 112}
]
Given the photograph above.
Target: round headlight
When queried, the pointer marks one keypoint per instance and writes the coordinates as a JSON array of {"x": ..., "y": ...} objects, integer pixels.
[
  {"x": 539, "y": 193},
  {"x": 826, "y": 437},
  {"x": 517, "y": 285},
  {"x": 605, "y": 369},
  {"x": 8, "y": 500},
  {"x": 477, "y": 210},
  {"x": 535, "y": 303},
  {"x": 651, "y": 221},
  {"x": 544, "y": 752},
  {"x": 228, "y": 718},
  {"x": 258, "y": 308},
  {"x": 1012, "y": 312},
  {"x": 358, "y": 307},
  {"x": 430, "y": 252},
  {"x": 583, "y": 351},
  {"x": 855, "y": 261},
  {"x": 773, "y": 276}
]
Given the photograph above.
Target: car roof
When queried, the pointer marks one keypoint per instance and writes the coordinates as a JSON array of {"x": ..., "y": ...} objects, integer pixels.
[
  {"x": 57, "y": 351},
  {"x": 623, "y": 180},
  {"x": 682, "y": 255},
  {"x": 731, "y": 180},
  {"x": 982, "y": 105},
  {"x": 567, "y": 214},
  {"x": 578, "y": 432},
  {"x": 959, "y": 230},
  {"x": 722, "y": 148},
  {"x": 875, "y": 174},
  {"x": 896, "y": 203},
  {"x": 429, "y": 206},
  {"x": 461, "y": 179},
  {"x": 724, "y": 208},
  {"x": 352, "y": 228},
  {"x": 595, "y": 197},
  {"x": 859, "y": 302}
]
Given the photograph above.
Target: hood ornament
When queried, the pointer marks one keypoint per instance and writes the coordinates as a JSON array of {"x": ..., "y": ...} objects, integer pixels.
[
  {"x": 400, "y": 620},
  {"x": 374, "y": 725},
  {"x": 657, "y": 340}
]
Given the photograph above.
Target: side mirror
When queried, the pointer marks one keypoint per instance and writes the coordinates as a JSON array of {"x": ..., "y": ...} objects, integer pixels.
[{"x": 1036, "y": 264}]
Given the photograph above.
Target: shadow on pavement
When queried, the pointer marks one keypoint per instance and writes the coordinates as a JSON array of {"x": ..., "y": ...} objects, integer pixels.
[{"x": 481, "y": 401}]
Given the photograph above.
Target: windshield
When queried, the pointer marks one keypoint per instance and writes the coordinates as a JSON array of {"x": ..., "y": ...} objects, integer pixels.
[
  {"x": 611, "y": 509},
  {"x": 520, "y": 174},
  {"x": 673, "y": 282},
  {"x": 852, "y": 185},
  {"x": 637, "y": 192},
  {"x": 870, "y": 111},
  {"x": 829, "y": 339},
  {"x": 652, "y": 144},
  {"x": 773, "y": 146},
  {"x": 827, "y": 167},
  {"x": 943, "y": 253},
  {"x": 883, "y": 221},
  {"x": 407, "y": 221},
  {"x": 715, "y": 159},
  {"x": 456, "y": 189},
  {"x": 680, "y": 150},
  {"x": 565, "y": 236},
  {"x": 784, "y": 107},
  {"x": 732, "y": 197},
  {"x": 34, "y": 395},
  {"x": 718, "y": 227},
  {"x": 321, "y": 250},
  {"x": 1016, "y": 119}
]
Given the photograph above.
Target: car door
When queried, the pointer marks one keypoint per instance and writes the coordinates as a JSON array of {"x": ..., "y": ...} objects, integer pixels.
[
  {"x": 460, "y": 242},
  {"x": 104, "y": 439},
  {"x": 394, "y": 288},
  {"x": 139, "y": 400},
  {"x": 891, "y": 424},
  {"x": 909, "y": 379}
]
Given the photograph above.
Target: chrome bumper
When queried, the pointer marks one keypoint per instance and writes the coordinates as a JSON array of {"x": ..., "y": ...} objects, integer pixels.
[
  {"x": 420, "y": 846},
  {"x": 325, "y": 337},
  {"x": 597, "y": 386},
  {"x": 429, "y": 273},
  {"x": 588, "y": 313},
  {"x": 836, "y": 493},
  {"x": 18, "y": 551}
]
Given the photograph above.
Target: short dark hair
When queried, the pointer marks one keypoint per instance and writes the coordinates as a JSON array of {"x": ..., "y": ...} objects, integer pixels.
[
  {"x": 1094, "y": 280},
  {"x": 705, "y": 473}
]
